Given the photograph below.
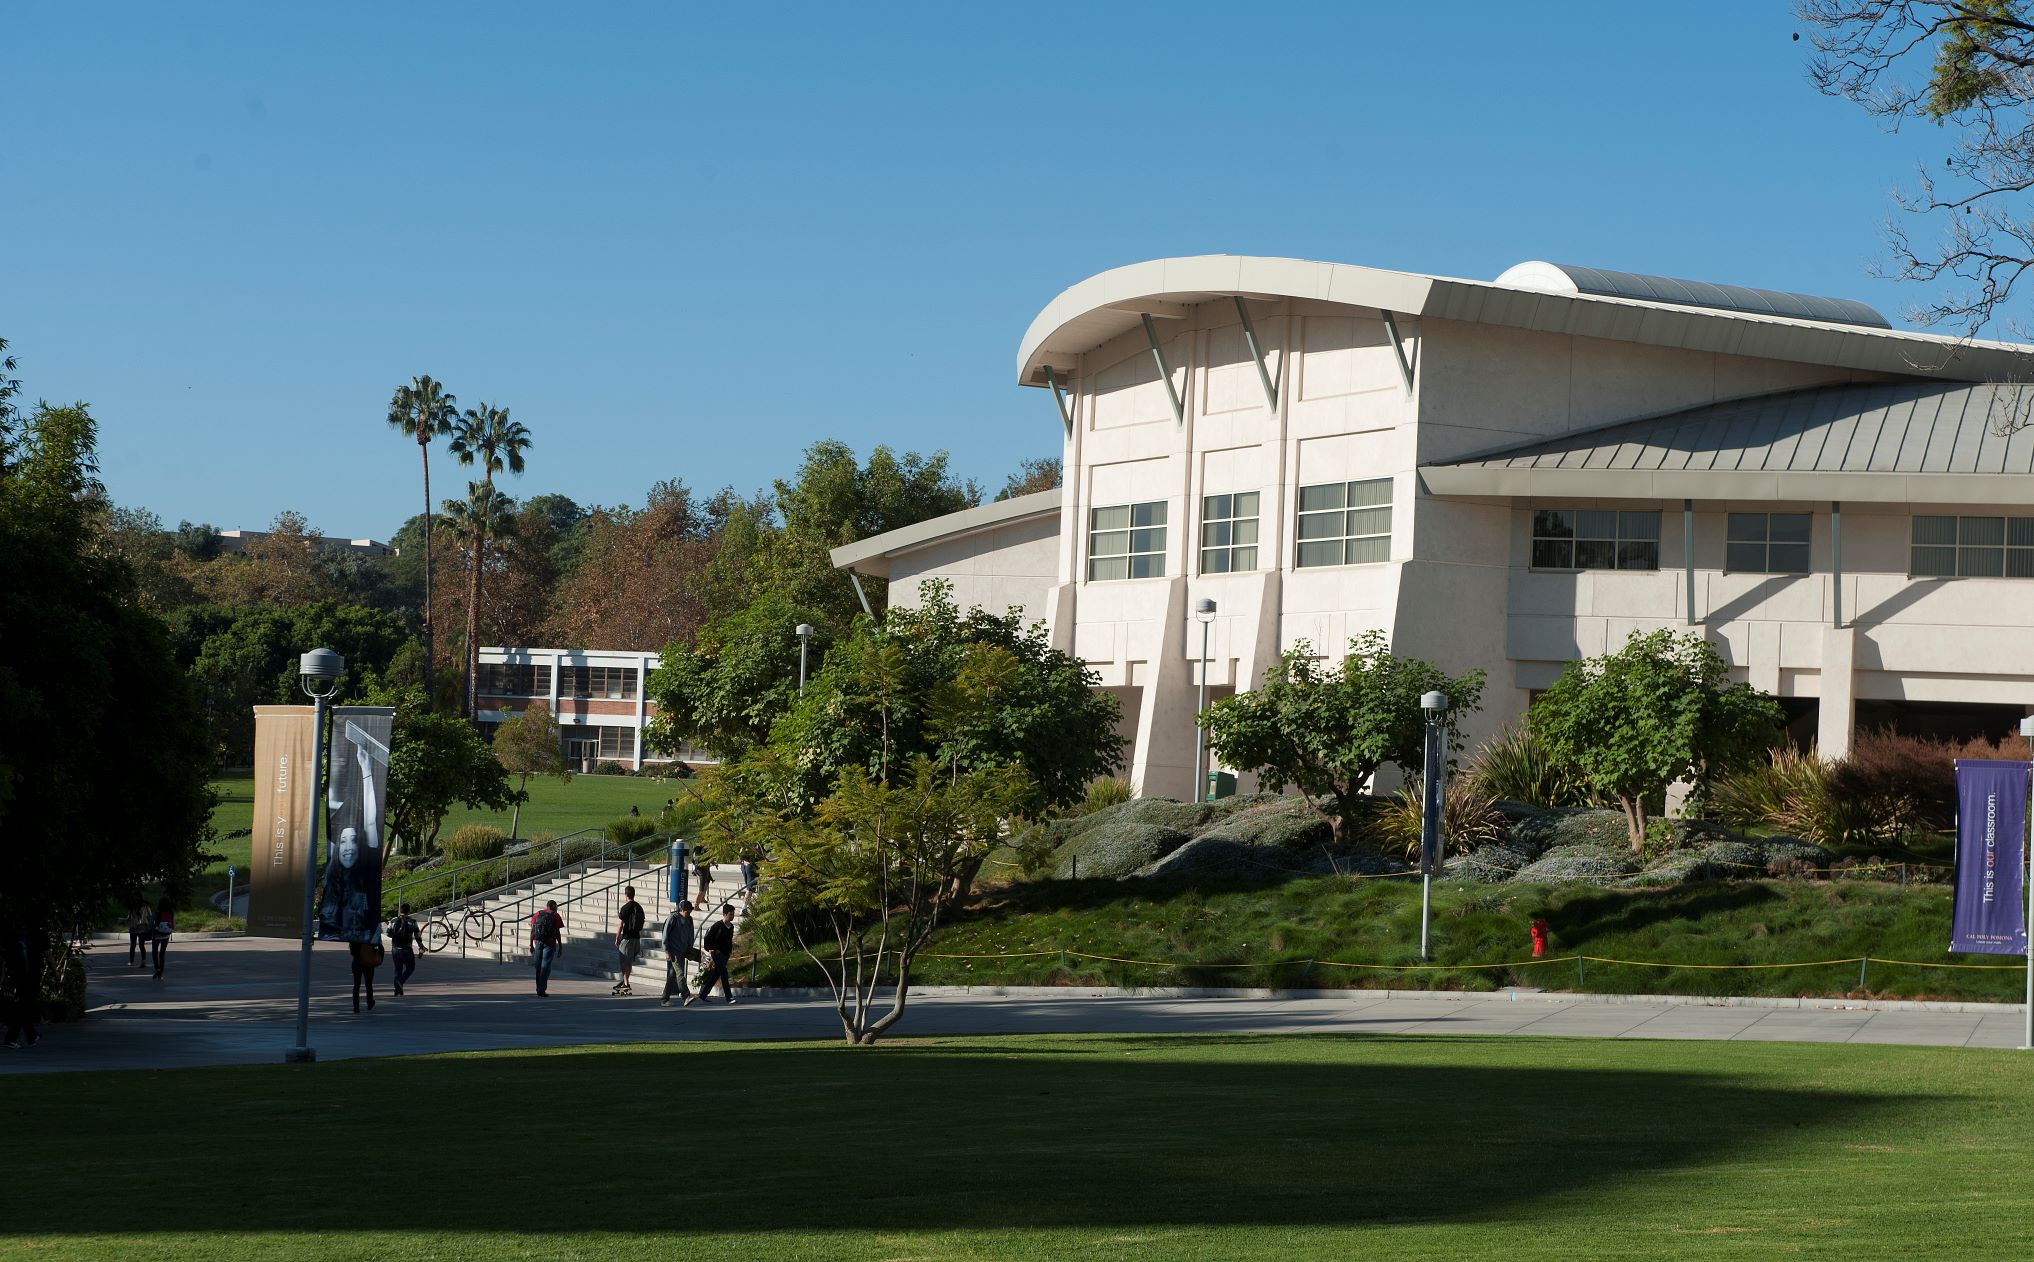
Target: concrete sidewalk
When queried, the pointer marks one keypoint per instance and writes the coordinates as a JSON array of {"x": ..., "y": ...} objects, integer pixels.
[{"x": 232, "y": 1001}]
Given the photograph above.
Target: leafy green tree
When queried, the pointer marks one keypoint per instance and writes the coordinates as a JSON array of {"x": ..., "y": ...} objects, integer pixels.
[
  {"x": 527, "y": 745},
  {"x": 1962, "y": 65},
  {"x": 80, "y": 827},
  {"x": 967, "y": 690},
  {"x": 241, "y": 658},
  {"x": 1039, "y": 474},
  {"x": 423, "y": 410},
  {"x": 1660, "y": 709},
  {"x": 1327, "y": 729},
  {"x": 485, "y": 436},
  {"x": 485, "y": 515},
  {"x": 436, "y": 760},
  {"x": 723, "y": 692}
]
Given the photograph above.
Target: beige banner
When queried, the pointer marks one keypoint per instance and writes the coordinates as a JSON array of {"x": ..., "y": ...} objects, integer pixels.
[{"x": 283, "y": 749}]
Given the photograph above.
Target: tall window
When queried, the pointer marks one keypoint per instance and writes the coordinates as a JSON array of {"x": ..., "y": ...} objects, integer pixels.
[
  {"x": 1345, "y": 523},
  {"x": 613, "y": 683},
  {"x": 1973, "y": 547},
  {"x": 1767, "y": 543},
  {"x": 1127, "y": 541},
  {"x": 1229, "y": 533},
  {"x": 617, "y": 742},
  {"x": 1596, "y": 539},
  {"x": 503, "y": 679}
]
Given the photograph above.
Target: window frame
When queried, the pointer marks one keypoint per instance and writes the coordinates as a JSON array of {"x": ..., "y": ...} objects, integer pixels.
[
  {"x": 1156, "y": 522},
  {"x": 1574, "y": 540},
  {"x": 1346, "y": 507},
  {"x": 2006, "y": 549},
  {"x": 1235, "y": 522},
  {"x": 1767, "y": 543}
]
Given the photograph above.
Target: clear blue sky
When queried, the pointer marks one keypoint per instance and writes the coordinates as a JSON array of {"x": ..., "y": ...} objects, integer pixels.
[{"x": 685, "y": 241}]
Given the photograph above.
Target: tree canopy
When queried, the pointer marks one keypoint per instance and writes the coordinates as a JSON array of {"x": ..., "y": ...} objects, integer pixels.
[
  {"x": 1326, "y": 730},
  {"x": 1660, "y": 709}
]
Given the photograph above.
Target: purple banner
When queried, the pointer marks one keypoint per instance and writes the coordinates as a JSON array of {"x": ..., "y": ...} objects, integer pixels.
[{"x": 1991, "y": 838}]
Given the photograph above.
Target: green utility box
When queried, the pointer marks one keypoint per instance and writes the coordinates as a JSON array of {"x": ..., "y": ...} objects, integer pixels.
[{"x": 1221, "y": 784}]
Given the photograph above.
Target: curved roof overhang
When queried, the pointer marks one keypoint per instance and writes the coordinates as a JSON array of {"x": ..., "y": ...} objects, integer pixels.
[{"x": 1110, "y": 303}]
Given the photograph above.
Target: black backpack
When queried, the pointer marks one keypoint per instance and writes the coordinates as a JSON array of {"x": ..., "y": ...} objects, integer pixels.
[{"x": 403, "y": 933}]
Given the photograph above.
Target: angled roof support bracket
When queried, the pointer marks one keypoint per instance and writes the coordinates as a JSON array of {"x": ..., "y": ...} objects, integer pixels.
[
  {"x": 1257, "y": 357},
  {"x": 1164, "y": 373},
  {"x": 1065, "y": 407},
  {"x": 1405, "y": 371}
]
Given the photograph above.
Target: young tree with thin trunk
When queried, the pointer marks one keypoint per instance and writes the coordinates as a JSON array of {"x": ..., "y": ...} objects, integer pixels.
[
  {"x": 424, "y": 410},
  {"x": 527, "y": 745},
  {"x": 484, "y": 436}
]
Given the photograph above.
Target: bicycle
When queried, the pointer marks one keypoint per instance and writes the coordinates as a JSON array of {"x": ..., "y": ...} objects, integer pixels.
[{"x": 477, "y": 925}]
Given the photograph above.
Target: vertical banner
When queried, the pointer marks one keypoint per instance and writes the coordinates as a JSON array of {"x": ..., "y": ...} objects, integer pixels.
[
  {"x": 357, "y": 795},
  {"x": 283, "y": 749},
  {"x": 1433, "y": 783},
  {"x": 1991, "y": 835}
]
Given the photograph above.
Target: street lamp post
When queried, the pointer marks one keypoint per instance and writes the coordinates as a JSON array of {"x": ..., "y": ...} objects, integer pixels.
[
  {"x": 1434, "y": 706},
  {"x": 318, "y": 673},
  {"x": 1204, "y": 611},
  {"x": 2027, "y": 879},
  {"x": 804, "y": 633}
]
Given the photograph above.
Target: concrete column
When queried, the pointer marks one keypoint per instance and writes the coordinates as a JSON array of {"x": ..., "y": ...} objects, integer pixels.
[
  {"x": 642, "y": 698},
  {"x": 1060, "y": 601},
  {"x": 1838, "y": 712},
  {"x": 1162, "y": 760}
]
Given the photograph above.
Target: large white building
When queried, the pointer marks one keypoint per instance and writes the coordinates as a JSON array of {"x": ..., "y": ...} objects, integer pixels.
[
  {"x": 1510, "y": 474},
  {"x": 598, "y": 696}
]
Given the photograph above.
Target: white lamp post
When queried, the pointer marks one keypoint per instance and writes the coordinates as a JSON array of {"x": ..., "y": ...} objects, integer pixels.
[
  {"x": 1434, "y": 705},
  {"x": 2027, "y": 879},
  {"x": 1204, "y": 612},
  {"x": 318, "y": 673},
  {"x": 804, "y": 634}
]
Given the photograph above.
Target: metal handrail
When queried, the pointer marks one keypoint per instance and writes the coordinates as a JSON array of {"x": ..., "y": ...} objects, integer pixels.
[
  {"x": 510, "y": 920},
  {"x": 478, "y": 863},
  {"x": 460, "y": 899}
]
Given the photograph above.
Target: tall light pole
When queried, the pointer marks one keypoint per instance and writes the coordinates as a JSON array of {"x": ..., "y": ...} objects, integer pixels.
[
  {"x": 2027, "y": 879},
  {"x": 318, "y": 673},
  {"x": 804, "y": 633},
  {"x": 1434, "y": 705},
  {"x": 1204, "y": 611}
]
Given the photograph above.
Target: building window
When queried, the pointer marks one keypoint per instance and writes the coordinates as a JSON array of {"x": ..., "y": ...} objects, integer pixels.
[
  {"x": 503, "y": 679},
  {"x": 617, "y": 742},
  {"x": 611, "y": 683},
  {"x": 1595, "y": 539},
  {"x": 1973, "y": 547},
  {"x": 1229, "y": 533},
  {"x": 1767, "y": 543},
  {"x": 1127, "y": 541},
  {"x": 1345, "y": 523}
]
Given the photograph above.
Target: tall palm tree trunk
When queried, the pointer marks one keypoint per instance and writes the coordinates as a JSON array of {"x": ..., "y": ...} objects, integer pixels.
[
  {"x": 472, "y": 671},
  {"x": 430, "y": 646}
]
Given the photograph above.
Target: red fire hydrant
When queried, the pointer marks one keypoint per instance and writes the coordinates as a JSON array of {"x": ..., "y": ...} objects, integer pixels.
[{"x": 1539, "y": 937}]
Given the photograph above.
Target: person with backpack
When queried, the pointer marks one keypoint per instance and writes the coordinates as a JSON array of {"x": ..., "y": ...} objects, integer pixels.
[
  {"x": 404, "y": 935},
  {"x": 547, "y": 930},
  {"x": 677, "y": 950},
  {"x": 165, "y": 925},
  {"x": 628, "y": 939},
  {"x": 719, "y": 947},
  {"x": 366, "y": 958},
  {"x": 140, "y": 928}
]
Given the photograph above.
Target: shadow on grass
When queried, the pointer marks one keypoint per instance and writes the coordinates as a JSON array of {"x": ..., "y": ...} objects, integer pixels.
[
  {"x": 1208, "y": 1130},
  {"x": 1580, "y": 918}
]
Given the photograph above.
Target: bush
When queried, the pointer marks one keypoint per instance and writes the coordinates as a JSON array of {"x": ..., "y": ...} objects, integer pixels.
[
  {"x": 1229, "y": 861},
  {"x": 1678, "y": 867},
  {"x": 1283, "y": 822},
  {"x": 476, "y": 841},
  {"x": 1787, "y": 857},
  {"x": 1492, "y": 864},
  {"x": 673, "y": 770},
  {"x": 1592, "y": 828},
  {"x": 1116, "y": 849},
  {"x": 630, "y": 828},
  {"x": 1103, "y": 793},
  {"x": 1584, "y": 864},
  {"x": 1466, "y": 820},
  {"x": 611, "y": 769},
  {"x": 1736, "y": 860},
  {"x": 1518, "y": 767}
]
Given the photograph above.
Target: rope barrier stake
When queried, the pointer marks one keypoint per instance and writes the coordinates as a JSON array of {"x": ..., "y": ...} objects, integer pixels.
[
  {"x": 1578, "y": 972},
  {"x": 1861, "y": 965}
]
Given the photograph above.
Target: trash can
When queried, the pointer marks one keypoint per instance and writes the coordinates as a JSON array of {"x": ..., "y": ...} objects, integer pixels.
[
  {"x": 1221, "y": 784},
  {"x": 681, "y": 856}
]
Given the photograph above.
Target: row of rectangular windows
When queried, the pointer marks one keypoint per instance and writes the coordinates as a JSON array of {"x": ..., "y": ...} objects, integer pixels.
[
  {"x": 614, "y": 683},
  {"x": 1338, "y": 523}
]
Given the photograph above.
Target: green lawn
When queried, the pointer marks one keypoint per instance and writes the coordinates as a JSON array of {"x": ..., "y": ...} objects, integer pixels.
[
  {"x": 1217, "y": 1146},
  {"x": 1263, "y": 936}
]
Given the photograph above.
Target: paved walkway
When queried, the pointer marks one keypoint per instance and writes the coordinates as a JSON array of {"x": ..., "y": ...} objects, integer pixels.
[{"x": 232, "y": 1001}]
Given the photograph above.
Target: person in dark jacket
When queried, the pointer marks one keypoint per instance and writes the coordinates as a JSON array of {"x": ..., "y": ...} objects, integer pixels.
[
  {"x": 366, "y": 958},
  {"x": 404, "y": 937},
  {"x": 547, "y": 930},
  {"x": 677, "y": 950},
  {"x": 719, "y": 946},
  {"x": 628, "y": 939}
]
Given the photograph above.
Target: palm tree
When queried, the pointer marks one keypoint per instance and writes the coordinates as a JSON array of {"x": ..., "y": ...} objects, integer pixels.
[
  {"x": 484, "y": 514},
  {"x": 485, "y": 436},
  {"x": 424, "y": 410}
]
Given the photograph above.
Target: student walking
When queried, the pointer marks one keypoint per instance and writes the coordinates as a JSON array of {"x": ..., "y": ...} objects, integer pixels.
[
  {"x": 702, "y": 873},
  {"x": 628, "y": 938},
  {"x": 403, "y": 935},
  {"x": 366, "y": 958},
  {"x": 165, "y": 925},
  {"x": 547, "y": 930},
  {"x": 719, "y": 946},
  {"x": 677, "y": 950},
  {"x": 140, "y": 928}
]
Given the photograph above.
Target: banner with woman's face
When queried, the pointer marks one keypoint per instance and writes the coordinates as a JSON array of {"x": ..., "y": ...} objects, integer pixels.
[{"x": 356, "y": 800}]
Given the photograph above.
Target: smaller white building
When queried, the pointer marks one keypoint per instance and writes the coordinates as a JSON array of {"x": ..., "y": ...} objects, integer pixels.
[{"x": 597, "y": 694}]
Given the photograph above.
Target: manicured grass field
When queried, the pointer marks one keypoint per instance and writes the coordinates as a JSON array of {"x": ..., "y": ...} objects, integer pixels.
[
  {"x": 1263, "y": 936},
  {"x": 1272, "y": 1147}
]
